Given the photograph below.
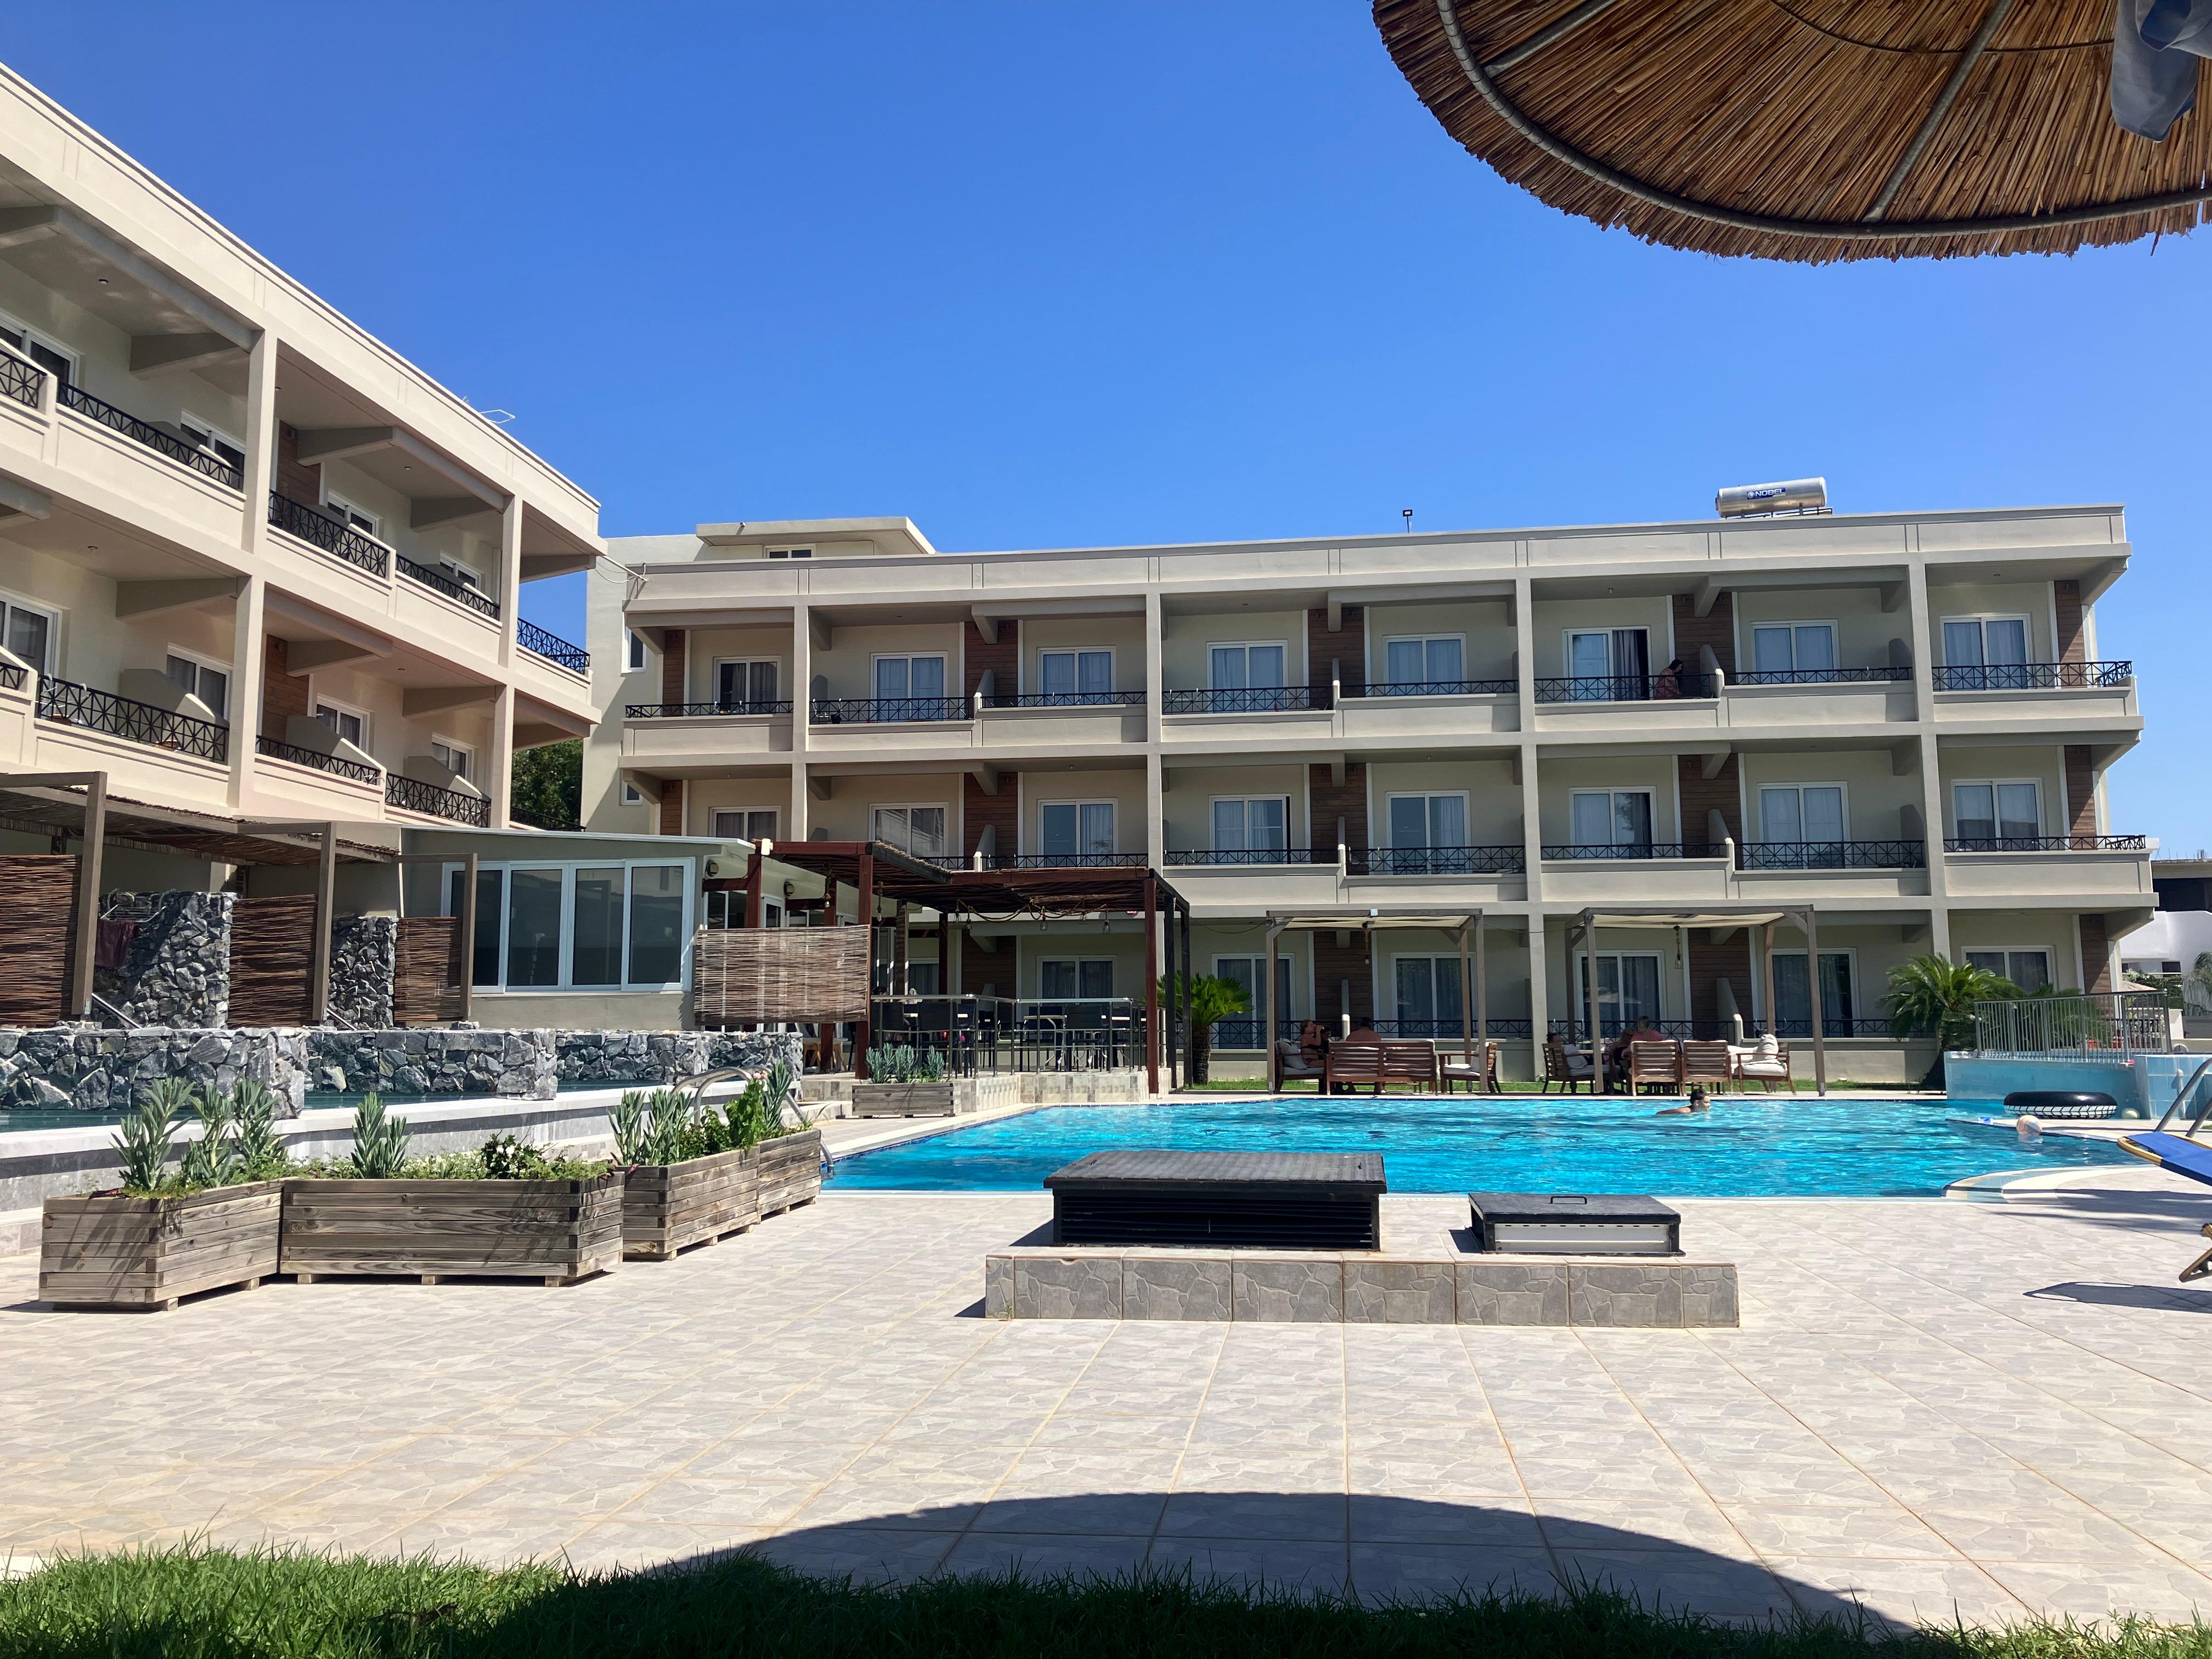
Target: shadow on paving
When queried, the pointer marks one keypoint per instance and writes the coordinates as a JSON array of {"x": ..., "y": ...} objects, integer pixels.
[{"x": 2175, "y": 1300}]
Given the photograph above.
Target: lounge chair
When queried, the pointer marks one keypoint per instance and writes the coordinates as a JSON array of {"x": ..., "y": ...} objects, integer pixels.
[
  {"x": 1709, "y": 1063},
  {"x": 1564, "y": 1068},
  {"x": 2190, "y": 1160},
  {"x": 1651, "y": 1063},
  {"x": 1765, "y": 1066},
  {"x": 1291, "y": 1061},
  {"x": 1351, "y": 1062},
  {"x": 1479, "y": 1074},
  {"x": 1414, "y": 1063}
]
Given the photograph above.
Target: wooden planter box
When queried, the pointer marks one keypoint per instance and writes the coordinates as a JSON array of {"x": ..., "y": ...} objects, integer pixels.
[
  {"x": 902, "y": 1099},
  {"x": 790, "y": 1170},
  {"x": 556, "y": 1230},
  {"x": 147, "y": 1252},
  {"x": 667, "y": 1206}
]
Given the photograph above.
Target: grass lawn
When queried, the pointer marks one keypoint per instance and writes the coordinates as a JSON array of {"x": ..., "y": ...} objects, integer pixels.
[{"x": 192, "y": 1603}]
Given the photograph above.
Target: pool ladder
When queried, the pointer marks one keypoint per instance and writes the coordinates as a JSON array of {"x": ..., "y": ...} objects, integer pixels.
[{"x": 2181, "y": 1094}]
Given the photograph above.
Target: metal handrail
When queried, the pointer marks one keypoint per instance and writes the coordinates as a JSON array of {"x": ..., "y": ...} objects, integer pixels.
[
  {"x": 2033, "y": 675},
  {"x": 1437, "y": 861},
  {"x": 2181, "y": 1094},
  {"x": 1064, "y": 700},
  {"x": 1655, "y": 850},
  {"x": 69, "y": 703},
  {"x": 145, "y": 432},
  {"x": 1244, "y": 855},
  {"x": 21, "y": 381},
  {"x": 1831, "y": 855},
  {"x": 552, "y": 646},
  {"x": 1433, "y": 689},
  {"x": 1884, "y": 675},
  {"x": 414, "y": 795},
  {"x": 1244, "y": 700},
  {"x": 337, "y": 765},
  {"x": 1657, "y": 687},
  {"x": 318, "y": 529},
  {"x": 875, "y": 711},
  {"x": 2046, "y": 844},
  {"x": 461, "y": 593},
  {"x": 671, "y": 711}
]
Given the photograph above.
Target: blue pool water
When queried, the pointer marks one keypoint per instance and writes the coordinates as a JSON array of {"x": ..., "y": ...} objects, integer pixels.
[{"x": 1755, "y": 1148}]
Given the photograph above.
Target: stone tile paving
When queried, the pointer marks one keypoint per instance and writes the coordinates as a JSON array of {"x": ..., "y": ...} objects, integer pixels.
[{"x": 1931, "y": 1408}]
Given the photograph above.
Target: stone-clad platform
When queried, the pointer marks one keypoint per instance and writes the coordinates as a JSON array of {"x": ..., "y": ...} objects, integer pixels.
[{"x": 1356, "y": 1288}]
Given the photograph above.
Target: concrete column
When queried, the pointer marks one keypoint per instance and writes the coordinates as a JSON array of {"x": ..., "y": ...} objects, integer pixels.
[
  {"x": 498, "y": 782},
  {"x": 510, "y": 578},
  {"x": 1540, "y": 1011},
  {"x": 248, "y": 646},
  {"x": 802, "y": 699},
  {"x": 1931, "y": 775},
  {"x": 1156, "y": 824}
]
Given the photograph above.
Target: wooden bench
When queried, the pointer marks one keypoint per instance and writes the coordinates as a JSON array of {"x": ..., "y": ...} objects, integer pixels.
[
  {"x": 1235, "y": 1201},
  {"x": 1351, "y": 1062},
  {"x": 1414, "y": 1063}
]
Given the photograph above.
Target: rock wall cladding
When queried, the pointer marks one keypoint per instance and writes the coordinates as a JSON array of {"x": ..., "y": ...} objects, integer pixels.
[
  {"x": 177, "y": 970},
  {"x": 657, "y": 1057},
  {"x": 364, "y": 957},
  {"x": 61, "y": 1068}
]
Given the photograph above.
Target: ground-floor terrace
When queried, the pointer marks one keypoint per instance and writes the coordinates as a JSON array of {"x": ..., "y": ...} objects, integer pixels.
[{"x": 1932, "y": 1408}]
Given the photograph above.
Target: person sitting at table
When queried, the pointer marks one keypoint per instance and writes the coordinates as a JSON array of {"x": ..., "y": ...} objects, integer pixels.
[
  {"x": 1616, "y": 1052},
  {"x": 1313, "y": 1042}
]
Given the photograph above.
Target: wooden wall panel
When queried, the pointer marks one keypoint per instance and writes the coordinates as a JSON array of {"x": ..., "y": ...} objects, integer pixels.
[
  {"x": 671, "y": 807},
  {"x": 1717, "y": 628},
  {"x": 2081, "y": 790},
  {"x": 38, "y": 894},
  {"x": 284, "y": 692},
  {"x": 426, "y": 989},
  {"x": 271, "y": 959},
  {"x": 1333, "y": 964},
  {"x": 1003, "y": 661},
  {"x": 1347, "y": 649},
  {"x": 1701, "y": 794},
  {"x": 1711, "y": 964},
  {"x": 303, "y": 484},
  {"x": 1002, "y": 811},
  {"x": 2066, "y": 598},
  {"x": 1331, "y": 801},
  {"x": 675, "y": 681},
  {"x": 2096, "y": 954}
]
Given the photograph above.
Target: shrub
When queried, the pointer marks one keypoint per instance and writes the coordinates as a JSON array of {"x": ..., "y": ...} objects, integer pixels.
[{"x": 380, "y": 1143}]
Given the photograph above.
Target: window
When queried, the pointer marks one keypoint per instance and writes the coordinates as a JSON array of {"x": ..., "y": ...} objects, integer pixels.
[
  {"x": 1984, "y": 642},
  {"x": 1428, "y": 821},
  {"x": 921, "y": 979},
  {"x": 1996, "y": 812},
  {"x": 349, "y": 724},
  {"x": 1800, "y": 813},
  {"x": 2029, "y": 969},
  {"x": 457, "y": 758},
  {"x": 742, "y": 685},
  {"x": 1793, "y": 647},
  {"x": 588, "y": 926},
  {"x": 630, "y": 795},
  {"x": 1076, "y": 980},
  {"x": 898, "y": 678},
  {"x": 1075, "y": 827},
  {"x": 1793, "y": 1006},
  {"x": 1428, "y": 996},
  {"x": 1610, "y": 818},
  {"x": 51, "y": 355},
  {"x": 455, "y": 571},
  {"x": 1431, "y": 660},
  {"x": 1627, "y": 988},
  {"x": 791, "y": 552},
  {"x": 348, "y": 514},
  {"x": 744, "y": 823},
  {"x": 1075, "y": 673},
  {"x": 1252, "y": 825},
  {"x": 637, "y": 651},
  {"x": 1243, "y": 1031},
  {"x": 214, "y": 440},
  {"x": 918, "y": 832},
  {"x": 1242, "y": 667},
  {"x": 29, "y": 632},
  {"x": 195, "y": 679},
  {"x": 1620, "y": 655}
]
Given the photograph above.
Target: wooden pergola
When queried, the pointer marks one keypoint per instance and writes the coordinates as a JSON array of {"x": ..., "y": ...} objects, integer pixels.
[
  {"x": 1474, "y": 1011},
  {"x": 876, "y": 872}
]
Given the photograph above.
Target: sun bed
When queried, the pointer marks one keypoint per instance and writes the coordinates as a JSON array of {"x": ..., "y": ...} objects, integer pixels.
[
  {"x": 1236, "y": 1200},
  {"x": 2190, "y": 1160}
]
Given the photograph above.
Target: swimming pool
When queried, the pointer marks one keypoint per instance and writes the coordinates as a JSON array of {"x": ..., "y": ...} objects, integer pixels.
[{"x": 1750, "y": 1148}]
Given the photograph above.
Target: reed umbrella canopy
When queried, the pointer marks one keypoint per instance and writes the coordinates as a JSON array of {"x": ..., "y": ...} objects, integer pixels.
[{"x": 1822, "y": 130}]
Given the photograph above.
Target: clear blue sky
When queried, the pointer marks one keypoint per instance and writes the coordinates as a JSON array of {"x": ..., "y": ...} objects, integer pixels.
[{"x": 1042, "y": 276}]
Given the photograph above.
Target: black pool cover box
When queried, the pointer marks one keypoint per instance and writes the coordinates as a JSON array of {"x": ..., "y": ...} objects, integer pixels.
[
  {"x": 1575, "y": 1224},
  {"x": 1233, "y": 1200}
]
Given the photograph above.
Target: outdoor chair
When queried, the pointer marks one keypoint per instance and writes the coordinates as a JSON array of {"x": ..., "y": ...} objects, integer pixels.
[
  {"x": 1412, "y": 1063},
  {"x": 1708, "y": 1063},
  {"x": 1564, "y": 1068},
  {"x": 1479, "y": 1074},
  {"x": 1291, "y": 1061},
  {"x": 1353, "y": 1063},
  {"x": 1766, "y": 1064},
  {"x": 1654, "y": 1063}
]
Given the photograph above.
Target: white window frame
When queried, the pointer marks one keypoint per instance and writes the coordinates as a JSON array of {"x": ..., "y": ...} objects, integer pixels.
[
  {"x": 1849, "y": 951},
  {"x": 715, "y": 816},
  {"x": 71, "y": 354},
  {"x": 791, "y": 552},
  {"x": 908, "y": 807},
  {"x": 1985, "y": 618},
  {"x": 1294, "y": 989},
  {"x": 722, "y": 663},
  {"x": 1289, "y": 833},
  {"x": 1424, "y": 640},
  {"x": 1112, "y": 806},
  {"x": 188, "y": 421},
  {"x": 1248, "y": 646},
  {"x": 1651, "y": 670},
  {"x": 1993, "y": 785},
  {"x": 1644, "y": 789},
  {"x": 568, "y": 867},
  {"x": 1754, "y": 623},
  {"x": 1425, "y": 796},
  {"x": 1044, "y": 995},
  {"x": 1579, "y": 994},
  {"x": 631, "y": 796},
  {"x": 1431, "y": 957},
  {"x": 348, "y": 511},
  {"x": 1759, "y": 790},
  {"x": 12, "y": 601},
  {"x": 200, "y": 659},
  {"x": 2050, "y": 959},
  {"x": 466, "y": 750},
  {"x": 909, "y": 658},
  {"x": 317, "y": 702},
  {"x": 462, "y": 571},
  {"x": 638, "y": 655},
  {"x": 1113, "y": 663}
]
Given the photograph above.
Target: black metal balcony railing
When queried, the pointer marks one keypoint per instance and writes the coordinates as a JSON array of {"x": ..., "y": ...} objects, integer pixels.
[
  {"x": 1064, "y": 700},
  {"x": 1821, "y": 676},
  {"x": 70, "y": 704},
  {"x": 1451, "y": 1029},
  {"x": 1244, "y": 700},
  {"x": 1649, "y": 849},
  {"x": 474, "y": 598},
  {"x": 144, "y": 432},
  {"x": 416, "y": 796},
  {"x": 1626, "y": 688},
  {"x": 1241, "y": 1032},
  {"x": 20, "y": 381},
  {"x": 337, "y": 765},
  {"x": 1435, "y": 688},
  {"x": 2035, "y": 677},
  {"x": 1710, "y": 1031},
  {"x": 1063, "y": 861},
  {"x": 318, "y": 529},
  {"x": 872, "y": 711},
  {"x": 1437, "y": 861},
  {"x": 678, "y": 711},
  {"x": 2046, "y": 844},
  {"x": 1248, "y": 856},
  {"x": 552, "y": 646},
  {"x": 12, "y": 677},
  {"x": 1831, "y": 855}
]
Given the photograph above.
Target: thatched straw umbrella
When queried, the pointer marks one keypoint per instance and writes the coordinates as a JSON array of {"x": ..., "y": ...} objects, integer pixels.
[{"x": 1808, "y": 130}]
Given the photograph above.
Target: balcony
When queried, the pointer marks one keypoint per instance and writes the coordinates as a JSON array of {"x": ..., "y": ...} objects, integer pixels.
[
  {"x": 184, "y": 452},
  {"x": 1064, "y": 700},
  {"x": 413, "y": 795},
  {"x": 1436, "y": 862},
  {"x": 1059, "y": 861},
  {"x": 318, "y": 529},
  {"x": 880, "y": 711},
  {"x": 1606, "y": 853},
  {"x": 679, "y": 711},
  {"x": 1627, "y": 688},
  {"x": 1219, "y": 857},
  {"x": 1245, "y": 700},
  {"x": 1831, "y": 855},
  {"x": 2036, "y": 677},
  {"x": 554, "y": 650},
  {"x": 20, "y": 381},
  {"x": 67, "y": 703},
  {"x": 2046, "y": 844},
  {"x": 337, "y": 765},
  {"x": 460, "y": 593},
  {"x": 1888, "y": 676},
  {"x": 12, "y": 677},
  {"x": 1436, "y": 688}
]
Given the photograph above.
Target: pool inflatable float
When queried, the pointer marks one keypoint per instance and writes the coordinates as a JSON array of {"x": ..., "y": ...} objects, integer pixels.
[{"x": 2056, "y": 1103}]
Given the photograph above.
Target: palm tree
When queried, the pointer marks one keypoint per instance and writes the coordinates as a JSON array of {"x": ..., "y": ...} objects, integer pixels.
[
  {"x": 1929, "y": 996},
  {"x": 1212, "y": 999},
  {"x": 2198, "y": 979}
]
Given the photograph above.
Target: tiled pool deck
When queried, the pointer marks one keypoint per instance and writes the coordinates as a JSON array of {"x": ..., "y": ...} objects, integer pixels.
[{"x": 1931, "y": 1406}]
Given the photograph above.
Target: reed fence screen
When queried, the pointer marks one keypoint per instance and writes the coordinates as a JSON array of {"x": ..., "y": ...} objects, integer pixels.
[{"x": 774, "y": 976}]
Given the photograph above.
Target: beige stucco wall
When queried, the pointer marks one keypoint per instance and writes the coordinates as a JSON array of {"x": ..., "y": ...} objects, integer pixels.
[
  {"x": 849, "y": 666},
  {"x": 1123, "y": 635},
  {"x": 1493, "y": 799},
  {"x": 2030, "y": 599},
  {"x": 1552, "y": 619},
  {"x": 1863, "y": 628},
  {"x": 1875, "y": 800},
  {"x": 2005, "y": 762},
  {"x": 1490, "y": 643},
  {"x": 1124, "y": 787},
  {"x": 1561, "y": 778},
  {"x": 1192, "y": 789},
  {"x": 1185, "y": 639}
]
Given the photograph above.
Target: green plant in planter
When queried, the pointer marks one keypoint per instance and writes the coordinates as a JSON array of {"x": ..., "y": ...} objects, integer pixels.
[
  {"x": 779, "y": 1091},
  {"x": 213, "y": 1159},
  {"x": 380, "y": 1143},
  {"x": 143, "y": 1143},
  {"x": 633, "y": 1131},
  {"x": 261, "y": 1154},
  {"x": 671, "y": 1117},
  {"x": 749, "y": 1117},
  {"x": 507, "y": 1157}
]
